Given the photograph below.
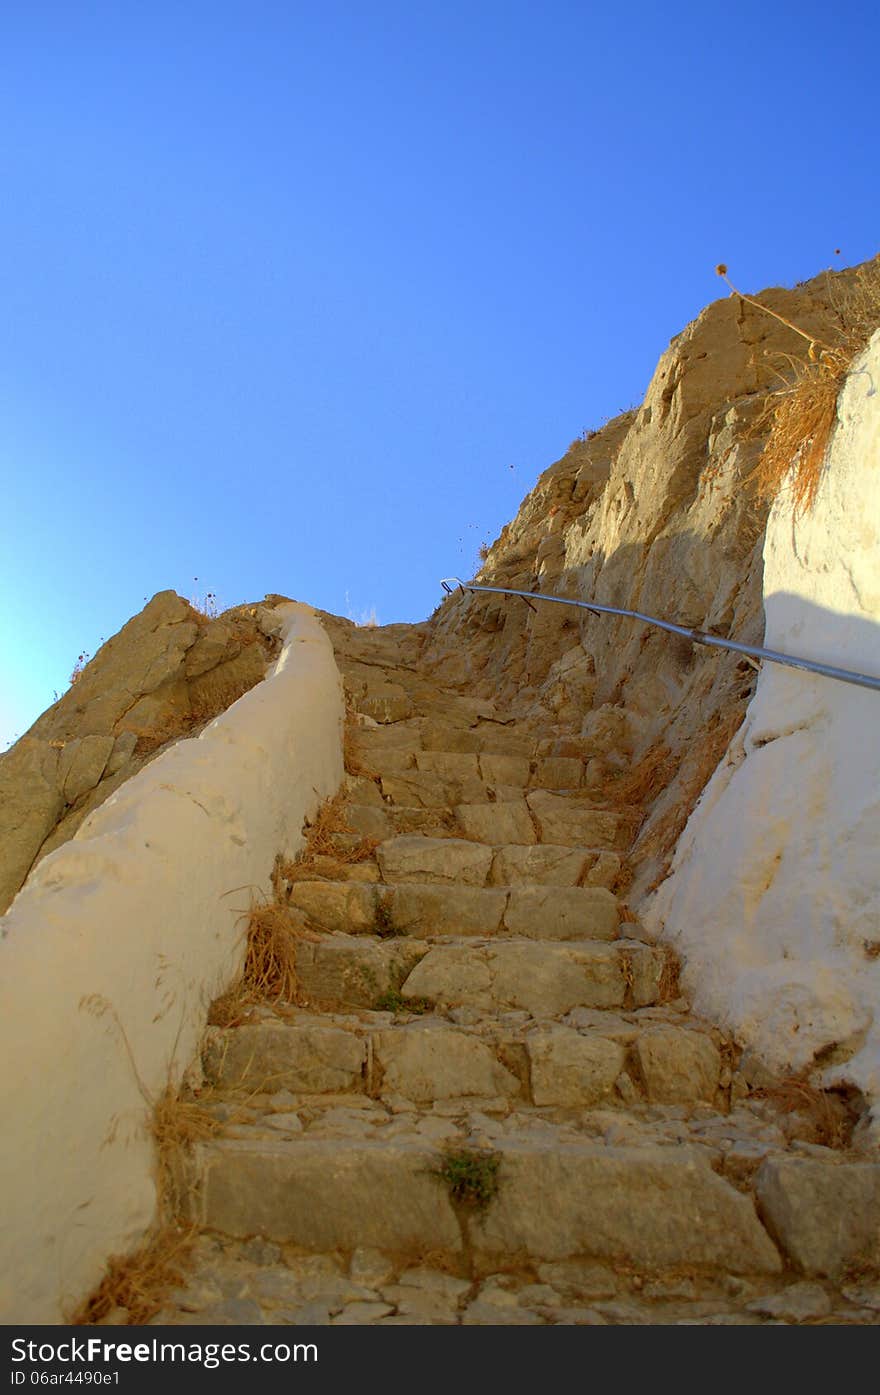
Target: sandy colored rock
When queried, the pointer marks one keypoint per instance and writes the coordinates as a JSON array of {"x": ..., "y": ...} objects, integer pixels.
[
  {"x": 30, "y": 803},
  {"x": 423, "y": 789},
  {"x": 563, "y": 819},
  {"x": 136, "y": 693},
  {"x": 353, "y": 970},
  {"x": 824, "y": 1217},
  {"x": 677, "y": 1066},
  {"x": 425, "y": 1062},
  {"x": 430, "y": 909},
  {"x": 346, "y": 906},
  {"x": 270, "y": 1056},
  {"x": 448, "y": 860},
  {"x": 558, "y": 773},
  {"x": 562, "y": 913},
  {"x": 505, "y": 770},
  {"x": 539, "y": 977},
  {"x": 571, "y": 1069},
  {"x": 450, "y": 765},
  {"x": 603, "y": 870},
  {"x": 540, "y": 864},
  {"x": 558, "y": 1199},
  {"x": 325, "y": 1195},
  {"x": 385, "y": 702},
  {"x": 509, "y": 822},
  {"x": 81, "y": 764}
]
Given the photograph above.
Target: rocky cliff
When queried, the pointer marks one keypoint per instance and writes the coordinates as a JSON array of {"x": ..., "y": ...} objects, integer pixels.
[
  {"x": 166, "y": 673},
  {"x": 653, "y": 512}
]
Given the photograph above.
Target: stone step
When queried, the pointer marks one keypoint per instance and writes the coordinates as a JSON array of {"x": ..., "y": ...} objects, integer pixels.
[
  {"x": 546, "y": 1064},
  {"x": 548, "y": 1198},
  {"x": 453, "y": 860},
  {"x": 423, "y": 909},
  {"x": 542, "y": 977}
]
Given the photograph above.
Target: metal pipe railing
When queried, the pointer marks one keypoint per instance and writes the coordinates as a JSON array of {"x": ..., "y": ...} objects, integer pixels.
[{"x": 844, "y": 675}]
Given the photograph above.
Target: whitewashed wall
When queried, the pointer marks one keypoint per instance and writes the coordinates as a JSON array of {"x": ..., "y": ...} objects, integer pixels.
[
  {"x": 114, "y": 948},
  {"x": 774, "y": 899}
]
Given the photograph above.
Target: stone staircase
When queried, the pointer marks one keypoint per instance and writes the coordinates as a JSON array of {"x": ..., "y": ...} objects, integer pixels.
[{"x": 489, "y": 1104}]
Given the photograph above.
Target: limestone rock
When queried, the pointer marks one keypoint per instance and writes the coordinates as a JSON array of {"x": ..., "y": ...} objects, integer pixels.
[
  {"x": 539, "y": 977},
  {"x": 566, "y": 820},
  {"x": 425, "y": 1062},
  {"x": 824, "y": 1217},
  {"x": 324, "y": 1196},
  {"x": 349, "y": 907},
  {"x": 562, "y": 913},
  {"x": 496, "y": 823},
  {"x": 447, "y": 860},
  {"x": 429, "y": 909},
  {"x": 677, "y": 1066},
  {"x": 286, "y": 1057},
  {"x": 570, "y": 1069},
  {"x": 353, "y": 970},
  {"x": 167, "y": 670},
  {"x": 30, "y": 803},
  {"x": 556, "y": 1200},
  {"x": 505, "y": 770},
  {"x": 538, "y": 864}
]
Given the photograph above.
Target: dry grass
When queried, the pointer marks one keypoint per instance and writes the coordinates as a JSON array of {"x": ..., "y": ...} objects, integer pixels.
[
  {"x": 799, "y": 417},
  {"x": 668, "y": 987},
  {"x": 269, "y": 973},
  {"x": 710, "y": 744},
  {"x": 323, "y": 842},
  {"x": 139, "y": 1282},
  {"x": 176, "y": 724},
  {"x": 827, "y": 1115},
  {"x": 646, "y": 780}
]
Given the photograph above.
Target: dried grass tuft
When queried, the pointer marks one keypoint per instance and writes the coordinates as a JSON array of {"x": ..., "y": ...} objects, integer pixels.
[
  {"x": 710, "y": 745},
  {"x": 668, "y": 987},
  {"x": 269, "y": 972},
  {"x": 323, "y": 841},
  {"x": 798, "y": 420},
  {"x": 139, "y": 1282},
  {"x": 646, "y": 780},
  {"x": 830, "y": 1118},
  {"x": 800, "y": 415}
]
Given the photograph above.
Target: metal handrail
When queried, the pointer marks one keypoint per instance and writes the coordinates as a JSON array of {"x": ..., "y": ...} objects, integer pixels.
[{"x": 844, "y": 675}]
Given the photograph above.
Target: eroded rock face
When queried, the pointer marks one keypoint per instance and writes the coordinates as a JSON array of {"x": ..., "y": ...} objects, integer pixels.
[
  {"x": 650, "y": 513},
  {"x": 166, "y": 672}
]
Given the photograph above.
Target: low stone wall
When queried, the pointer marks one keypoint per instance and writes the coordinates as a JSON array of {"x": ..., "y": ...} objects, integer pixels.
[
  {"x": 774, "y": 899},
  {"x": 112, "y": 952}
]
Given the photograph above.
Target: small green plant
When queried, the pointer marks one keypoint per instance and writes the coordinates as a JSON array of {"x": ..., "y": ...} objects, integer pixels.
[
  {"x": 392, "y": 1000},
  {"x": 471, "y": 1176}
]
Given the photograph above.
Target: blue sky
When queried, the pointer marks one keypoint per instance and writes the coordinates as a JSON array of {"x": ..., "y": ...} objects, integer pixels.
[{"x": 302, "y": 297}]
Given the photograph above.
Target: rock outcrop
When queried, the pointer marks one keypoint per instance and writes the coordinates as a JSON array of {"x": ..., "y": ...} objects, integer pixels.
[
  {"x": 652, "y": 513},
  {"x": 164, "y": 675}
]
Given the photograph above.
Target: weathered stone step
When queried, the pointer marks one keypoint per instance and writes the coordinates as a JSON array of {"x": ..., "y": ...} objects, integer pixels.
[
  {"x": 541, "y": 977},
  {"x": 565, "y": 820},
  {"x": 554, "y": 1200},
  {"x": 438, "y": 908},
  {"x": 548, "y": 1064},
  {"x": 414, "y": 858},
  {"x": 493, "y": 768}
]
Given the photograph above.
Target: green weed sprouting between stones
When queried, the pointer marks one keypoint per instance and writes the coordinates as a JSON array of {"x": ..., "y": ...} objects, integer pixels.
[{"x": 471, "y": 1176}]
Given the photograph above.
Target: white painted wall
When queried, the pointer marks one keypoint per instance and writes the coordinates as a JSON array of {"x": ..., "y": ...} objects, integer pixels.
[
  {"x": 775, "y": 890},
  {"x": 140, "y": 911}
]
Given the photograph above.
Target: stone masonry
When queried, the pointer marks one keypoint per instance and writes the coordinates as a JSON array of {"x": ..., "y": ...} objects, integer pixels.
[{"x": 476, "y": 994}]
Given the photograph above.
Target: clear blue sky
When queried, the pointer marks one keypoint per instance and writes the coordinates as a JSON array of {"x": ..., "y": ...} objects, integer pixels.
[{"x": 303, "y": 296}]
